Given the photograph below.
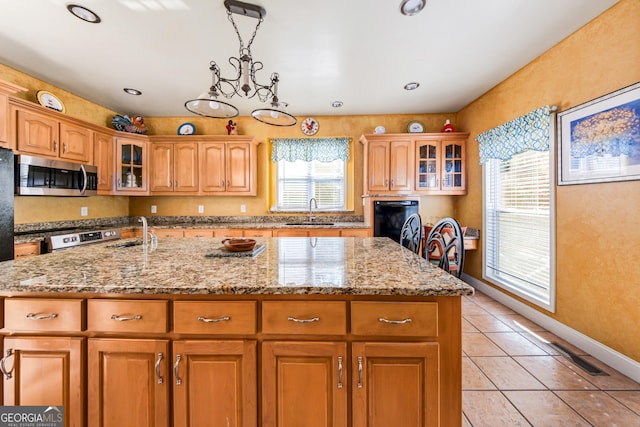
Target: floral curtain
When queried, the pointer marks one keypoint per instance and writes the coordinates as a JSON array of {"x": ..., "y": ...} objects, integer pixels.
[
  {"x": 529, "y": 132},
  {"x": 308, "y": 149}
]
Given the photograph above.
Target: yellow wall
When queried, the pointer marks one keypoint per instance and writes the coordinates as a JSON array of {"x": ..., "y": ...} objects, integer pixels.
[
  {"x": 598, "y": 230},
  {"x": 30, "y": 209}
]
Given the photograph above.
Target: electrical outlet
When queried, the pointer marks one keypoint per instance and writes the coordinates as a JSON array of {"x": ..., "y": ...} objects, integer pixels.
[
  {"x": 84, "y": 211},
  {"x": 154, "y": 209},
  {"x": 200, "y": 208},
  {"x": 243, "y": 208}
]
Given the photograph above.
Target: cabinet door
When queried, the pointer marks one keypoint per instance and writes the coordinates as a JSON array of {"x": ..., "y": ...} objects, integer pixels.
[
  {"x": 401, "y": 168},
  {"x": 383, "y": 370},
  {"x": 378, "y": 166},
  {"x": 37, "y": 133},
  {"x": 453, "y": 167},
  {"x": 212, "y": 167},
  {"x": 304, "y": 384},
  {"x": 46, "y": 371},
  {"x": 215, "y": 384},
  {"x": 4, "y": 121},
  {"x": 428, "y": 166},
  {"x": 128, "y": 382},
  {"x": 185, "y": 167},
  {"x": 238, "y": 167},
  {"x": 161, "y": 159},
  {"x": 103, "y": 159},
  {"x": 75, "y": 143},
  {"x": 131, "y": 166}
]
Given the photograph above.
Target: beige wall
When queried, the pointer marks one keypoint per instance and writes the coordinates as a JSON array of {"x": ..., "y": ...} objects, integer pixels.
[{"x": 598, "y": 228}]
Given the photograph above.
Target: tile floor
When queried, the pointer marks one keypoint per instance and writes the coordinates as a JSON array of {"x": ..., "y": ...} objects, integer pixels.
[{"x": 512, "y": 377}]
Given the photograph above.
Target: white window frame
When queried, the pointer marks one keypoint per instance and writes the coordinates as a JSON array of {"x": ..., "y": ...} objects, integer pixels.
[
  {"x": 550, "y": 302},
  {"x": 279, "y": 208}
]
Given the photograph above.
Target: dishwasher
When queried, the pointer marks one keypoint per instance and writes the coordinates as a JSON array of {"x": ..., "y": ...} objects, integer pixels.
[{"x": 389, "y": 217}]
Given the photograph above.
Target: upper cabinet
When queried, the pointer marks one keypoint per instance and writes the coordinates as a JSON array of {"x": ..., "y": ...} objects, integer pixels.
[
  {"x": 131, "y": 165},
  {"x": 173, "y": 167},
  {"x": 6, "y": 89},
  {"x": 228, "y": 166},
  {"x": 48, "y": 134},
  {"x": 420, "y": 163},
  {"x": 103, "y": 160}
]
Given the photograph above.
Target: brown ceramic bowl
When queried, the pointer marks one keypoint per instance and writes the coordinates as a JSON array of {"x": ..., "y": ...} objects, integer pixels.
[{"x": 239, "y": 245}]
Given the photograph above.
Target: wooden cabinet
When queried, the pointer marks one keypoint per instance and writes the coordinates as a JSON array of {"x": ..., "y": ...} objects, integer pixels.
[
  {"x": 6, "y": 89},
  {"x": 306, "y": 232},
  {"x": 215, "y": 383},
  {"x": 131, "y": 165},
  {"x": 25, "y": 250},
  {"x": 128, "y": 382},
  {"x": 441, "y": 164},
  {"x": 103, "y": 159},
  {"x": 355, "y": 232},
  {"x": 388, "y": 164},
  {"x": 45, "y": 371},
  {"x": 42, "y": 133},
  {"x": 228, "y": 168},
  {"x": 174, "y": 167}
]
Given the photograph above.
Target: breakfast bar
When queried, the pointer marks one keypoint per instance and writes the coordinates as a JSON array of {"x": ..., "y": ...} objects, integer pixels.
[{"x": 297, "y": 331}]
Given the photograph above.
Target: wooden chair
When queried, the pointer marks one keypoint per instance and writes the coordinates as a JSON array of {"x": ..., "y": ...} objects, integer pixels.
[
  {"x": 444, "y": 246},
  {"x": 411, "y": 233}
]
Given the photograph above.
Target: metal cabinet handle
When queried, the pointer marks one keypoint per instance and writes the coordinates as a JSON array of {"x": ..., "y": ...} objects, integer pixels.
[
  {"x": 7, "y": 374},
  {"x": 359, "y": 371},
  {"x": 125, "y": 319},
  {"x": 392, "y": 183},
  {"x": 175, "y": 369},
  {"x": 55, "y": 146},
  {"x": 219, "y": 319},
  {"x": 41, "y": 316},
  {"x": 64, "y": 147},
  {"x": 394, "y": 322},
  {"x": 313, "y": 319},
  {"x": 160, "y": 380},
  {"x": 339, "y": 371}
]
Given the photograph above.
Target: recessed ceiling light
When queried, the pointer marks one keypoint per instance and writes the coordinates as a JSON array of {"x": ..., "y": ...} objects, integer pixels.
[
  {"x": 336, "y": 104},
  {"x": 83, "y": 13},
  {"x": 411, "y": 85},
  {"x": 411, "y": 7},
  {"x": 132, "y": 91}
]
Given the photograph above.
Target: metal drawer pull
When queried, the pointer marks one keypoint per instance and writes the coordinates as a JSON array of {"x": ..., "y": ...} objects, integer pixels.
[
  {"x": 395, "y": 322},
  {"x": 41, "y": 316},
  {"x": 359, "y": 371},
  {"x": 125, "y": 319},
  {"x": 220, "y": 319},
  {"x": 339, "y": 371},
  {"x": 160, "y": 380},
  {"x": 175, "y": 369},
  {"x": 313, "y": 319},
  {"x": 7, "y": 374}
]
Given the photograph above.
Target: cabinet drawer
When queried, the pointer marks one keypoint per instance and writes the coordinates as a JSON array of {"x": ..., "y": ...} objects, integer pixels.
[
  {"x": 304, "y": 317},
  {"x": 37, "y": 314},
  {"x": 168, "y": 232},
  {"x": 198, "y": 233},
  {"x": 24, "y": 250},
  {"x": 194, "y": 317},
  {"x": 126, "y": 316},
  {"x": 394, "y": 318}
]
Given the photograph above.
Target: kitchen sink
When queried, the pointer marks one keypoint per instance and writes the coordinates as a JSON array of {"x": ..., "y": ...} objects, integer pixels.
[{"x": 310, "y": 223}]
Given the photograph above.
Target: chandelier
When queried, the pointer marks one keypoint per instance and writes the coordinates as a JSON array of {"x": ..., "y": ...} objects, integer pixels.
[{"x": 244, "y": 82}]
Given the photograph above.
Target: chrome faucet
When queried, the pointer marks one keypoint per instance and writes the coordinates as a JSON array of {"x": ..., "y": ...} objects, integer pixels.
[
  {"x": 313, "y": 199},
  {"x": 146, "y": 234}
]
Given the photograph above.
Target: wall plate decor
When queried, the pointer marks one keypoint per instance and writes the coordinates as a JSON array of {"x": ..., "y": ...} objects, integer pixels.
[
  {"x": 599, "y": 141},
  {"x": 49, "y": 100},
  {"x": 186, "y": 129},
  {"x": 309, "y": 126},
  {"x": 379, "y": 129},
  {"x": 415, "y": 127}
]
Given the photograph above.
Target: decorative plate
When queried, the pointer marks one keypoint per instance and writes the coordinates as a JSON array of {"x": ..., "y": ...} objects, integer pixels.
[
  {"x": 309, "y": 126},
  {"x": 186, "y": 129},
  {"x": 415, "y": 127},
  {"x": 379, "y": 129},
  {"x": 49, "y": 100}
]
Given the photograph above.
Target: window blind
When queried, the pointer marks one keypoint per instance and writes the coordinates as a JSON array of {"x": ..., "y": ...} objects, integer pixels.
[{"x": 301, "y": 180}]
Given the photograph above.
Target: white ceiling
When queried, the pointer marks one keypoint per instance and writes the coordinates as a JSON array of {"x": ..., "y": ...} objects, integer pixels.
[{"x": 361, "y": 52}]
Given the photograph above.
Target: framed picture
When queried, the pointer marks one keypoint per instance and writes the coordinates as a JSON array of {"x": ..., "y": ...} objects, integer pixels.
[{"x": 599, "y": 141}]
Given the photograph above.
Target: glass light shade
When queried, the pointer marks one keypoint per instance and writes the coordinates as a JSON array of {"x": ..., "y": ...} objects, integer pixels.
[
  {"x": 274, "y": 116},
  {"x": 411, "y": 7},
  {"x": 209, "y": 106}
]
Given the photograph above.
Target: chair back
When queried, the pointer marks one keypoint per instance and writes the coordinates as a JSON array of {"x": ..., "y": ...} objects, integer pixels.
[
  {"x": 445, "y": 246},
  {"x": 411, "y": 233}
]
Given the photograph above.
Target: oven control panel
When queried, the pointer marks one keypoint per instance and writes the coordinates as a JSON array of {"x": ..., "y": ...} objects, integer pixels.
[{"x": 64, "y": 241}]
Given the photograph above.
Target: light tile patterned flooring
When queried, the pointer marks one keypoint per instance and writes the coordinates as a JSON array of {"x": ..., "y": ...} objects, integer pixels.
[{"x": 512, "y": 377}]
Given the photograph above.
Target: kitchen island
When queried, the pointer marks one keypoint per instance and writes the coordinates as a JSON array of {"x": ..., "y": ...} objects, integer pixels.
[{"x": 310, "y": 331}]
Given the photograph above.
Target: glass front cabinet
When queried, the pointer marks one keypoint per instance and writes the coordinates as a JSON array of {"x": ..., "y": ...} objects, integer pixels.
[
  {"x": 440, "y": 164},
  {"x": 131, "y": 165}
]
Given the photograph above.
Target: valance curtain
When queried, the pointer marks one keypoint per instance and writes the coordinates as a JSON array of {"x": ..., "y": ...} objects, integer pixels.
[
  {"x": 529, "y": 132},
  {"x": 309, "y": 149}
]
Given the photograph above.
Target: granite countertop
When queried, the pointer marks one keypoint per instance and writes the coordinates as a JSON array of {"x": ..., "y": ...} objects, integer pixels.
[{"x": 329, "y": 266}]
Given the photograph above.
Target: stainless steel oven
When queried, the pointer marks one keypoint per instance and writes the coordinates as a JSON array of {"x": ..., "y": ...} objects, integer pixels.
[{"x": 37, "y": 176}]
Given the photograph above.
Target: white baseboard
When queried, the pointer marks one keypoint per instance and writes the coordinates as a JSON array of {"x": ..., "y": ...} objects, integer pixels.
[{"x": 607, "y": 355}]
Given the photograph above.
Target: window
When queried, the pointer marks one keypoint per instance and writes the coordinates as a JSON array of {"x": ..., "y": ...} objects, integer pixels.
[
  {"x": 518, "y": 194},
  {"x": 300, "y": 180}
]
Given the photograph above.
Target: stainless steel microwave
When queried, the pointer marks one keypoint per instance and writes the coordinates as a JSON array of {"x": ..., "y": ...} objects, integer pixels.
[{"x": 37, "y": 176}]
